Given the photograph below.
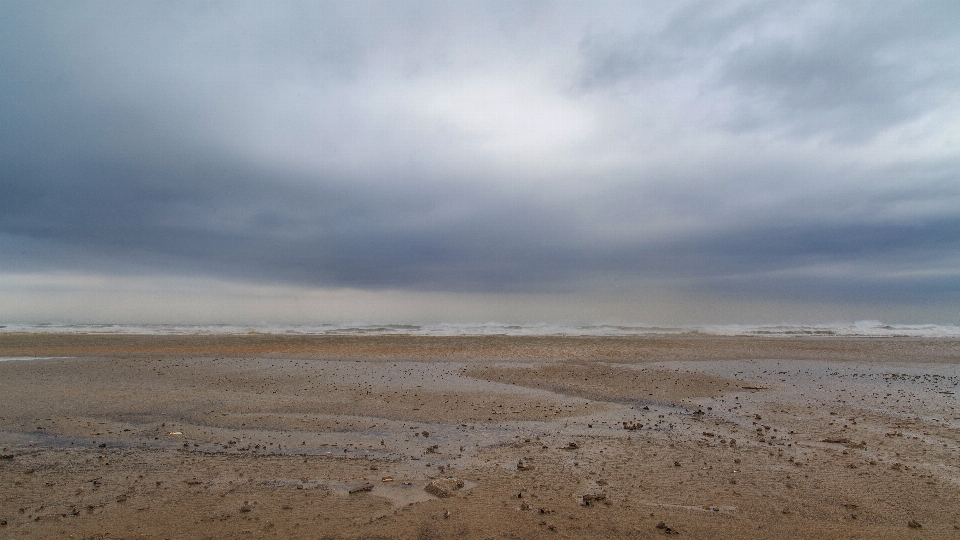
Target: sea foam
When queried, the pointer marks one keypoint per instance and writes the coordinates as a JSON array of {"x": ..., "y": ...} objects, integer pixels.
[{"x": 854, "y": 329}]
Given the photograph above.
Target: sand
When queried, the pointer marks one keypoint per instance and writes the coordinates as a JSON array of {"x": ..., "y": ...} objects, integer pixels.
[{"x": 267, "y": 436}]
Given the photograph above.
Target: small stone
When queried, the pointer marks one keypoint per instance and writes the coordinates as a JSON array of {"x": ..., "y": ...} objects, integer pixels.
[
  {"x": 914, "y": 524},
  {"x": 443, "y": 487},
  {"x": 590, "y": 498},
  {"x": 666, "y": 529},
  {"x": 361, "y": 489}
]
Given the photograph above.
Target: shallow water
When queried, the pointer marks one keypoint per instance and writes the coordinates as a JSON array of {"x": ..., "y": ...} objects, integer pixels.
[
  {"x": 24, "y": 358},
  {"x": 834, "y": 329}
]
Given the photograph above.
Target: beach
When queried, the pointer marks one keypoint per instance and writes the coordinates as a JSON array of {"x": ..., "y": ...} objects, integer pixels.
[{"x": 400, "y": 436}]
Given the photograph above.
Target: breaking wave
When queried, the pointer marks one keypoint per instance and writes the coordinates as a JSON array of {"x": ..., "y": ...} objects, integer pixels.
[{"x": 856, "y": 329}]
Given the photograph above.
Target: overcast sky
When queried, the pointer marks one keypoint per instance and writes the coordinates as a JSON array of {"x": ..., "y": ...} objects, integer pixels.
[{"x": 529, "y": 161}]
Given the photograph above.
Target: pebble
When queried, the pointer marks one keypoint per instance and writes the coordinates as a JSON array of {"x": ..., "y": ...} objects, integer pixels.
[
  {"x": 590, "y": 498},
  {"x": 666, "y": 529},
  {"x": 443, "y": 487}
]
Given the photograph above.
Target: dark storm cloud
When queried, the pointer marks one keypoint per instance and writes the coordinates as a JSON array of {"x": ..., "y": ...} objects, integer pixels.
[
  {"x": 440, "y": 147},
  {"x": 244, "y": 223}
]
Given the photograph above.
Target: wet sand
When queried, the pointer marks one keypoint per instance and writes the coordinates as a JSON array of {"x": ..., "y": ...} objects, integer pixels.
[{"x": 267, "y": 436}]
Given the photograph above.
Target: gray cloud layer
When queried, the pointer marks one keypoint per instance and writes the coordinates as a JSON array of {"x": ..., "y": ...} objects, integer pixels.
[{"x": 768, "y": 150}]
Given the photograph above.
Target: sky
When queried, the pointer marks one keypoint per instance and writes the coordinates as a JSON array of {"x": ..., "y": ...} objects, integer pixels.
[{"x": 650, "y": 162}]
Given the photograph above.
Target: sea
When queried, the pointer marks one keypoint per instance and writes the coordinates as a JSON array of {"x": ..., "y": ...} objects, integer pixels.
[{"x": 864, "y": 329}]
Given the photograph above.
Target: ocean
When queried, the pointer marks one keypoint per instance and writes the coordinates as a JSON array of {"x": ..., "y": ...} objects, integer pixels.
[{"x": 841, "y": 329}]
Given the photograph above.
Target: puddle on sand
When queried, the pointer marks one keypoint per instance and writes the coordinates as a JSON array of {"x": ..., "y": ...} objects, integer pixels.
[
  {"x": 911, "y": 391},
  {"x": 904, "y": 412},
  {"x": 922, "y": 391},
  {"x": 417, "y": 446},
  {"x": 23, "y": 358},
  {"x": 706, "y": 508}
]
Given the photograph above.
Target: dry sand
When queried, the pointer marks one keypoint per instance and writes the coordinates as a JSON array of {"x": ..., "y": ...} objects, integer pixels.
[{"x": 264, "y": 436}]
